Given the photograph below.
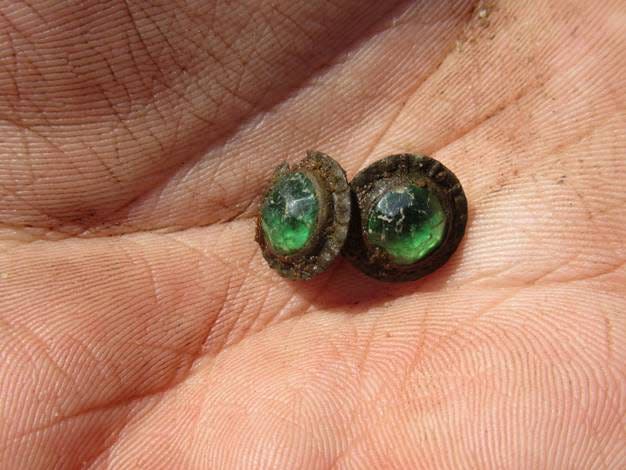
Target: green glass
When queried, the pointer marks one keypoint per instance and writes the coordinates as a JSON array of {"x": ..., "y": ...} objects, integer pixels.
[
  {"x": 408, "y": 222},
  {"x": 289, "y": 213}
]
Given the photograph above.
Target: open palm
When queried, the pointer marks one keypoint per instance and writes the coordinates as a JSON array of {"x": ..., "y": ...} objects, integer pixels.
[{"x": 139, "y": 324}]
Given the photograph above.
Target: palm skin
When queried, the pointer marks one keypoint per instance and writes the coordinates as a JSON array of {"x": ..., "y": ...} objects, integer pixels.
[{"x": 139, "y": 324}]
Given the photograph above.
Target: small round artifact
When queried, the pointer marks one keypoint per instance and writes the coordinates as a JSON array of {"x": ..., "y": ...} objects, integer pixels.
[
  {"x": 408, "y": 216},
  {"x": 304, "y": 216}
]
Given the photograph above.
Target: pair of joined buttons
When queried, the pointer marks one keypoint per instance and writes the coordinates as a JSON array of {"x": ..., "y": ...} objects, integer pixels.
[{"x": 398, "y": 219}]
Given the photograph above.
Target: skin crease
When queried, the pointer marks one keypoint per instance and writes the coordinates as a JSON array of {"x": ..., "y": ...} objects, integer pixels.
[{"x": 139, "y": 324}]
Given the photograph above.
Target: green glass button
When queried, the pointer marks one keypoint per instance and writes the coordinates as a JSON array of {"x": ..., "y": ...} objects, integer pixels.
[
  {"x": 408, "y": 222},
  {"x": 289, "y": 213}
]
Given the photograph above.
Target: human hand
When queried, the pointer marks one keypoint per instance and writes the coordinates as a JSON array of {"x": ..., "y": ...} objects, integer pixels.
[{"x": 140, "y": 326}]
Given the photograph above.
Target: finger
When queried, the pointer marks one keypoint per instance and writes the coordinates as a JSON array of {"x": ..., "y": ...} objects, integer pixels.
[
  {"x": 340, "y": 110},
  {"x": 546, "y": 129},
  {"x": 98, "y": 104}
]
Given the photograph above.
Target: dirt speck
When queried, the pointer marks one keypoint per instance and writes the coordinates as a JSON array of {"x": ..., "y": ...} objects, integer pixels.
[
  {"x": 483, "y": 12},
  {"x": 480, "y": 20}
]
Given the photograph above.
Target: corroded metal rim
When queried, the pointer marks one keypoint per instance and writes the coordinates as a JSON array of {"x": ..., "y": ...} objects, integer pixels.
[
  {"x": 333, "y": 193},
  {"x": 368, "y": 185}
]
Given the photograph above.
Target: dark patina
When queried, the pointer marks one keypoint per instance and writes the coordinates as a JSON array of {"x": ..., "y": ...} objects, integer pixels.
[
  {"x": 331, "y": 227},
  {"x": 372, "y": 183}
]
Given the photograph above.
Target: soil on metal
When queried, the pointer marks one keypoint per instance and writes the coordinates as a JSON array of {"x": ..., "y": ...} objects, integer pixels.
[
  {"x": 369, "y": 185},
  {"x": 333, "y": 193}
]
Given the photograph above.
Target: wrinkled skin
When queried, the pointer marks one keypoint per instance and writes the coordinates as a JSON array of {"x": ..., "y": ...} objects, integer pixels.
[{"x": 139, "y": 324}]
